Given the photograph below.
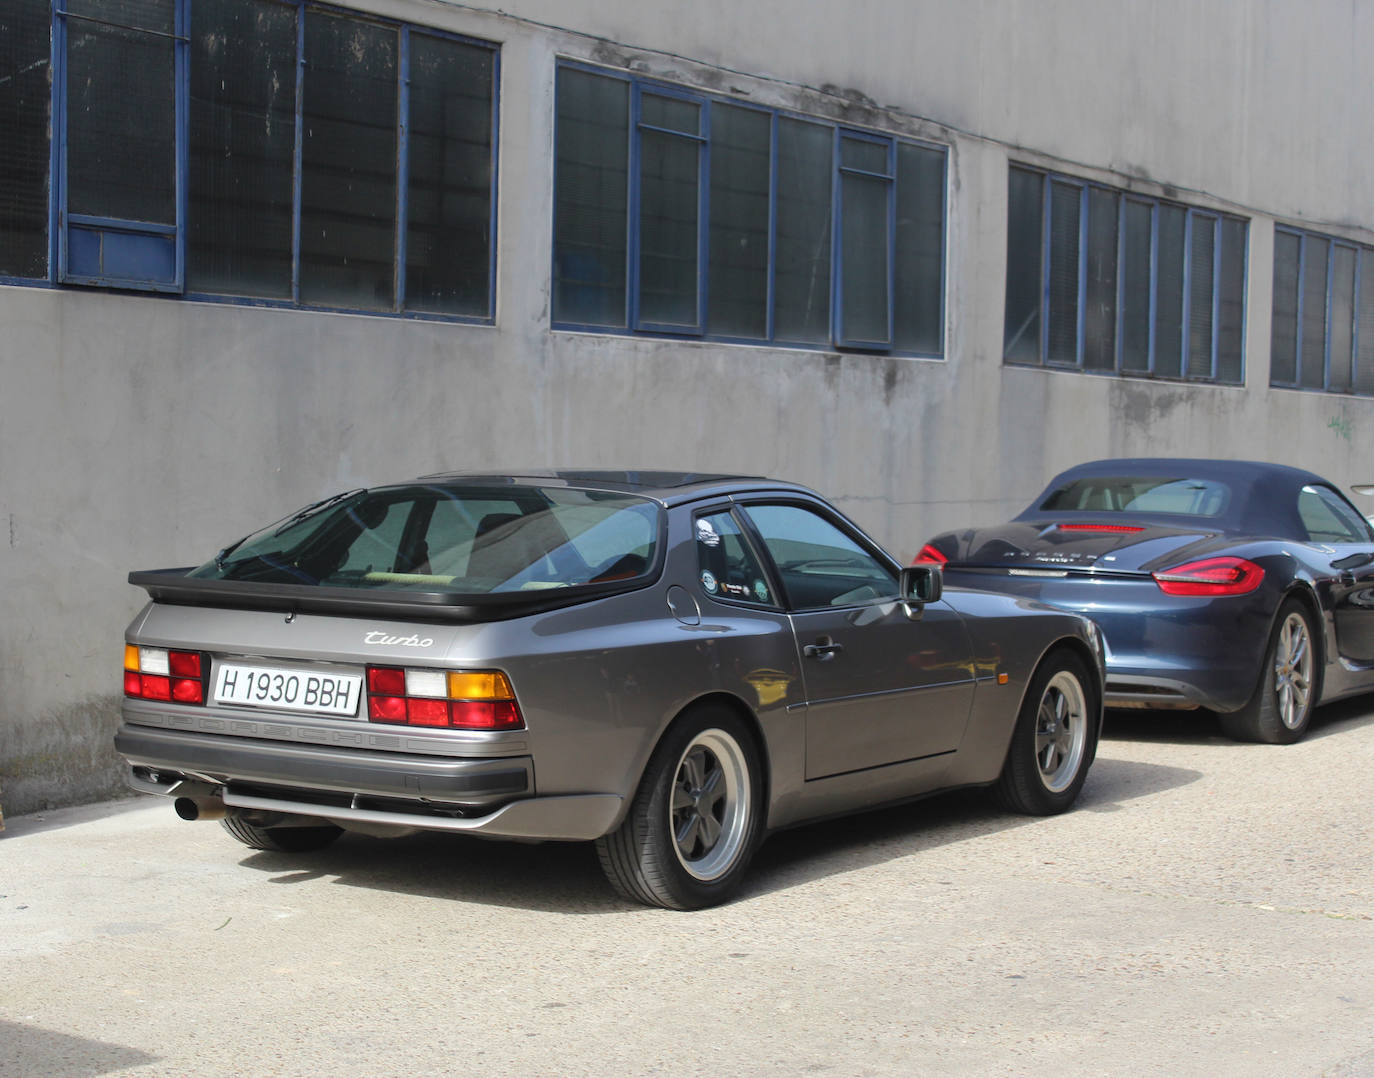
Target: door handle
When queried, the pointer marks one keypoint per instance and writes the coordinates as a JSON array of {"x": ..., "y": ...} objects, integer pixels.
[{"x": 823, "y": 649}]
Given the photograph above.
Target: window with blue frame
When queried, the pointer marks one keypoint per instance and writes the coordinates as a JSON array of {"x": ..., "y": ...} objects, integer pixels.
[
  {"x": 339, "y": 161},
  {"x": 122, "y": 115},
  {"x": 272, "y": 150},
  {"x": 25, "y": 104},
  {"x": 1322, "y": 327},
  {"x": 680, "y": 213},
  {"x": 1105, "y": 280}
]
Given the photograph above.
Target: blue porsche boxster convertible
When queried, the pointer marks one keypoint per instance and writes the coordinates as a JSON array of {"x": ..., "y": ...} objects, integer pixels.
[{"x": 1241, "y": 587}]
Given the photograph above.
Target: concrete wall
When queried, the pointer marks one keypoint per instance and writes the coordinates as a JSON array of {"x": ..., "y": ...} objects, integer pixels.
[{"x": 138, "y": 432}]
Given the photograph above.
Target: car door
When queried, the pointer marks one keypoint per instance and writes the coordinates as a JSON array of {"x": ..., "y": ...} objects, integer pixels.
[
  {"x": 881, "y": 687},
  {"x": 1332, "y": 523}
]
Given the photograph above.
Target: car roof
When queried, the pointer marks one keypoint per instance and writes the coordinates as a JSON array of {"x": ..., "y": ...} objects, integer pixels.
[
  {"x": 1201, "y": 467},
  {"x": 668, "y": 487},
  {"x": 1263, "y": 500}
]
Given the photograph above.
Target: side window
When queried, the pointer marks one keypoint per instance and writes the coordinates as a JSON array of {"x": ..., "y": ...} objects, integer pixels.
[
  {"x": 820, "y": 565},
  {"x": 1328, "y": 519},
  {"x": 727, "y": 567}
]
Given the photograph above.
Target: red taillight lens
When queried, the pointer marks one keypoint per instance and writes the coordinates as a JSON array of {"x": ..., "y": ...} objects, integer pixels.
[
  {"x": 458, "y": 700},
  {"x": 427, "y": 712},
  {"x": 486, "y": 715},
  {"x": 386, "y": 681},
  {"x": 184, "y": 663},
  {"x": 1127, "y": 528},
  {"x": 156, "y": 688},
  {"x": 929, "y": 555},
  {"x": 386, "y": 708},
  {"x": 1211, "y": 576},
  {"x": 162, "y": 674},
  {"x": 187, "y": 691}
]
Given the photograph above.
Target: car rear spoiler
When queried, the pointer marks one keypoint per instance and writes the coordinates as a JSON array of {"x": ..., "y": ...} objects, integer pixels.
[{"x": 176, "y": 587}]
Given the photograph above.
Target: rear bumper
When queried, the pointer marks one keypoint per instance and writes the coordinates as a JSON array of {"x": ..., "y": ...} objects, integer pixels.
[
  {"x": 491, "y": 796},
  {"x": 1162, "y": 651}
]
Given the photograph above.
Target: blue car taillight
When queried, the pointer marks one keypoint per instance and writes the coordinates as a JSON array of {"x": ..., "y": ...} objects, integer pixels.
[{"x": 1210, "y": 576}]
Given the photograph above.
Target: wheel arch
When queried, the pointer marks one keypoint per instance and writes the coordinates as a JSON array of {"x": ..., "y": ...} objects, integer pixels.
[
  {"x": 1081, "y": 648},
  {"x": 742, "y": 711}
]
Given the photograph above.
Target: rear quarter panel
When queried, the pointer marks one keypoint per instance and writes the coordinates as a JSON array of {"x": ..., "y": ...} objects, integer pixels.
[{"x": 1010, "y": 636}]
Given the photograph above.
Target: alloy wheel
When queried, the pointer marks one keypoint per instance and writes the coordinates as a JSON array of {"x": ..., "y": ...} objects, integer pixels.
[
  {"x": 1061, "y": 731},
  {"x": 710, "y": 804},
  {"x": 1293, "y": 671}
]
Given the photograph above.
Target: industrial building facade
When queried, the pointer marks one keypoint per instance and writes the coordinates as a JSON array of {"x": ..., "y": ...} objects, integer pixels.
[{"x": 919, "y": 256}]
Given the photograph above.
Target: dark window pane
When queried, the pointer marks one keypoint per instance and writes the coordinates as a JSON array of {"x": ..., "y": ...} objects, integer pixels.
[
  {"x": 25, "y": 45},
  {"x": 121, "y": 114},
  {"x": 1099, "y": 313},
  {"x": 243, "y": 134},
  {"x": 865, "y": 155},
  {"x": 155, "y": 15},
  {"x": 1064, "y": 235},
  {"x": 1025, "y": 250},
  {"x": 1340, "y": 376},
  {"x": 1136, "y": 275},
  {"x": 802, "y": 276},
  {"x": 1231, "y": 308},
  {"x": 740, "y": 146},
  {"x": 864, "y": 258},
  {"x": 1172, "y": 224},
  {"x": 348, "y": 167},
  {"x": 1283, "y": 332},
  {"x": 448, "y": 192},
  {"x": 669, "y": 196},
  {"x": 1200, "y": 293},
  {"x": 918, "y": 287},
  {"x": 591, "y": 200},
  {"x": 1312, "y": 357},
  {"x": 1364, "y": 367},
  {"x": 670, "y": 113}
]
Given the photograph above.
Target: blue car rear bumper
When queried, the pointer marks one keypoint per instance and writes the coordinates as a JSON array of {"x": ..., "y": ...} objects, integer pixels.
[{"x": 1162, "y": 650}]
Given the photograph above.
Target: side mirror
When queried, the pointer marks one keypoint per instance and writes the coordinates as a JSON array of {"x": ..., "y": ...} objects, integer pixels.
[{"x": 922, "y": 583}]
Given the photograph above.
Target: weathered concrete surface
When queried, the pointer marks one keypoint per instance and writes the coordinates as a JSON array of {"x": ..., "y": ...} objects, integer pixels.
[{"x": 1207, "y": 911}]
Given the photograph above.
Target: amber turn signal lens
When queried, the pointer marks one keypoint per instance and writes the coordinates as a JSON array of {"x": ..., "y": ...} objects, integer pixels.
[{"x": 486, "y": 685}]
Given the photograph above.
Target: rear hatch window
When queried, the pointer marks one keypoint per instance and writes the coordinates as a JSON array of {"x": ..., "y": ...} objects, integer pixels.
[
  {"x": 467, "y": 540},
  {"x": 1172, "y": 495}
]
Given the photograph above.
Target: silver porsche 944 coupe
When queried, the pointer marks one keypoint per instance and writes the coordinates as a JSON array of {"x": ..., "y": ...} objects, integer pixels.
[{"x": 667, "y": 665}]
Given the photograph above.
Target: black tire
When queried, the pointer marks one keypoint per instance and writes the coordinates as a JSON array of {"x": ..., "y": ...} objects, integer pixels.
[
  {"x": 1055, "y": 738},
  {"x": 696, "y": 818},
  {"x": 1280, "y": 710},
  {"x": 281, "y": 839}
]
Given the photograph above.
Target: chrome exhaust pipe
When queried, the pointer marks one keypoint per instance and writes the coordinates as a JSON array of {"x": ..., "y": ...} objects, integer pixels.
[{"x": 200, "y": 808}]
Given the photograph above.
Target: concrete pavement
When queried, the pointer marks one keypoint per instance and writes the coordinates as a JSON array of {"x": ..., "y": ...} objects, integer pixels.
[{"x": 1207, "y": 910}]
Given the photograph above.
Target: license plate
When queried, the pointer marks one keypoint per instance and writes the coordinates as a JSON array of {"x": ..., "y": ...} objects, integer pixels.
[{"x": 288, "y": 690}]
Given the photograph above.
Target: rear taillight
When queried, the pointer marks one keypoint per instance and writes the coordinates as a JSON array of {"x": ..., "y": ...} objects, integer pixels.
[
  {"x": 929, "y": 556},
  {"x": 1127, "y": 528},
  {"x": 1211, "y": 576},
  {"x": 451, "y": 699},
  {"x": 163, "y": 674}
]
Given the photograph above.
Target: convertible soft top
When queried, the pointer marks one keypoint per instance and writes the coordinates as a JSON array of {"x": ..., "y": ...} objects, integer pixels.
[{"x": 1262, "y": 502}]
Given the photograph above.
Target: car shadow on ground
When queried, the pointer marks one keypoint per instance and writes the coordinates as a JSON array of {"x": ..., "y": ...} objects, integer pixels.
[
  {"x": 1202, "y": 727},
  {"x": 566, "y": 877}
]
